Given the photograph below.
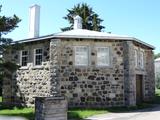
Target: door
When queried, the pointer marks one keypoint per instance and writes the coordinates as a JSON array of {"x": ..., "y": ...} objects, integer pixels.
[{"x": 139, "y": 89}]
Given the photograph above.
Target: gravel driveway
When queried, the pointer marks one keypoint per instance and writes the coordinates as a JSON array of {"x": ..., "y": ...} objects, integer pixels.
[{"x": 146, "y": 114}]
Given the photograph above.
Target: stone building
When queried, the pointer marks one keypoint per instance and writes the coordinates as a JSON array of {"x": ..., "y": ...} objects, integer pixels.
[
  {"x": 157, "y": 72},
  {"x": 90, "y": 68}
]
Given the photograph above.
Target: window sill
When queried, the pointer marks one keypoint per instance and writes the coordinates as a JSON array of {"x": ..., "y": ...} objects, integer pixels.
[
  {"x": 24, "y": 68},
  {"x": 38, "y": 67},
  {"x": 139, "y": 68},
  {"x": 102, "y": 66},
  {"x": 81, "y": 65}
]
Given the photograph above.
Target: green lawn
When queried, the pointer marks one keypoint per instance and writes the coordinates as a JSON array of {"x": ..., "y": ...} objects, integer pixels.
[
  {"x": 84, "y": 113},
  {"x": 158, "y": 92},
  {"x": 79, "y": 114},
  {"x": 74, "y": 113},
  {"x": 23, "y": 112},
  {"x": 157, "y": 97}
]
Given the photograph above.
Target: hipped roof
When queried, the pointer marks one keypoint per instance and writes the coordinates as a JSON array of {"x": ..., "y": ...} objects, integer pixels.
[{"x": 86, "y": 34}]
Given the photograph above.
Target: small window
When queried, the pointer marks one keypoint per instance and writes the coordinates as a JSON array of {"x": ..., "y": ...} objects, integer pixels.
[
  {"x": 81, "y": 55},
  {"x": 141, "y": 60},
  {"x": 136, "y": 58},
  {"x": 103, "y": 58},
  {"x": 24, "y": 58},
  {"x": 38, "y": 57}
]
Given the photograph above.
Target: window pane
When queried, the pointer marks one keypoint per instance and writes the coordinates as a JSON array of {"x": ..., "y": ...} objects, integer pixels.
[
  {"x": 38, "y": 51},
  {"x": 103, "y": 56},
  {"x": 136, "y": 58},
  {"x": 81, "y": 55},
  {"x": 38, "y": 57},
  {"x": 24, "y": 53},
  {"x": 141, "y": 60},
  {"x": 24, "y": 58}
]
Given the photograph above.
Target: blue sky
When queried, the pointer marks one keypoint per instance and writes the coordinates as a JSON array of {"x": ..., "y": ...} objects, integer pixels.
[{"x": 136, "y": 18}]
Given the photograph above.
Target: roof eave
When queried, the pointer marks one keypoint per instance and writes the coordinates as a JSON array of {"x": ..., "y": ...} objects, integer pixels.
[
  {"x": 34, "y": 39},
  {"x": 84, "y": 37},
  {"x": 106, "y": 37}
]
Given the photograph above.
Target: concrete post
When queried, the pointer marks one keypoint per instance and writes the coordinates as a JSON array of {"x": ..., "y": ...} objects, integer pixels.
[{"x": 51, "y": 108}]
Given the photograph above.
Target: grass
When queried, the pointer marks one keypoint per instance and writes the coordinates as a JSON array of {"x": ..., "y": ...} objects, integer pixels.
[
  {"x": 83, "y": 113},
  {"x": 77, "y": 114},
  {"x": 23, "y": 112},
  {"x": 157, "y": 96}
]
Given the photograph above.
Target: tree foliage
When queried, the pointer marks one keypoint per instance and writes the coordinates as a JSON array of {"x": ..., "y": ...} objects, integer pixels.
[
  {"x": 157, "y": 80},
  {"x": 156, "y": 55},
  {"x": 7, "y": 24},
  {"x": 91, "y": 20}
]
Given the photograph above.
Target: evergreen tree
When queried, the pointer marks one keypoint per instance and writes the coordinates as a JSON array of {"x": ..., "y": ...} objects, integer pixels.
[
  {"x": 7, "y": 24},
  {"x": 91, "y": 20}
]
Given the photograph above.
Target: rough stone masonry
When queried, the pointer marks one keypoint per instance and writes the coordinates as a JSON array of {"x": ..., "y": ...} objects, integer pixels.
[{"x": 89, "y": 86}]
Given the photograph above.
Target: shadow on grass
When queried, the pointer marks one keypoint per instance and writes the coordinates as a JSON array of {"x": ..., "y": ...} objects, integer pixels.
[
  {"x": 79, "y": 113},
  {"x": 74, "y": 115},
  {"x": 157, "y": 99},
  {"x": 27, "y": 113},
  {"x": 28, "y": 116}
]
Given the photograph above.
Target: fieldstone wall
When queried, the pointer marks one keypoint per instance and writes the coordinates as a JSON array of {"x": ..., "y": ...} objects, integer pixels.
[
  {"x": 147, "y": 72},
  {"x": 29, "y": 81},
  {"x": 92, "y": 86},
  {"x": 148, "y": 83},
  {"x": 51, "y": 108},
  {"x": 129, "y": 73},
  {"x": 84, "y": 86},
  {"x": 150, "y": 76}
]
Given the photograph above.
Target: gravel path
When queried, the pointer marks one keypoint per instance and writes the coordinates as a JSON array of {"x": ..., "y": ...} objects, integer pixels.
[{"x": 146, "y": 114}]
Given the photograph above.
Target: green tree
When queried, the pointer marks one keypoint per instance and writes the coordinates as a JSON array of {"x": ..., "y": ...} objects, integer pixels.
[
  {"x": 156, "y": 55},
  {"x": 157, "y": 80},
  {"x": 91, "y": 20},
  {"x": 7, "y": 24}
]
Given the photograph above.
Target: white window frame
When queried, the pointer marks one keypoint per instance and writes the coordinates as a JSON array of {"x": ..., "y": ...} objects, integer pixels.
[
  {"x": 76, "y": 57},
  {"x": 107, "y": 59},
  {"x": 21, "y": 57},
  {"x": 136, "y": 57},
  {"x": 38, "y": 55},
  {"x": 141, "y": 59}
]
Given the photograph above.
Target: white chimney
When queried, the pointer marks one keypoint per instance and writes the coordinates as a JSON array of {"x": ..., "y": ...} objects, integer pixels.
[
  {"x": 34, "y": 12},
  {"x": 77, "y": 22}
]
